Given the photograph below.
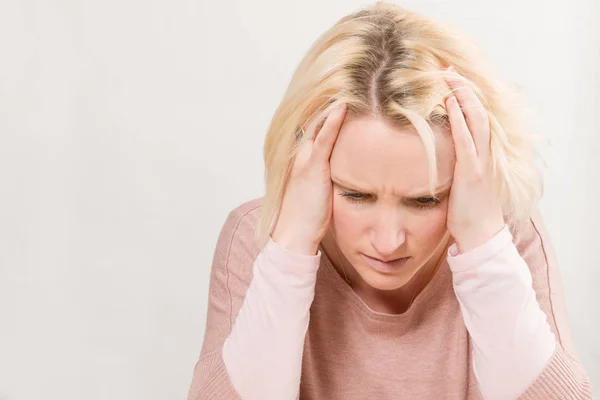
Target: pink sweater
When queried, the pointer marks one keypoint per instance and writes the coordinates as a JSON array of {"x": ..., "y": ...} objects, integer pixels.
[{"x": 491, "y": 324}]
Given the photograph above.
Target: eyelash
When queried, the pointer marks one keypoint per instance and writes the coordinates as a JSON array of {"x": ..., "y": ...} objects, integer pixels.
[{"x": 420, "y": 203}]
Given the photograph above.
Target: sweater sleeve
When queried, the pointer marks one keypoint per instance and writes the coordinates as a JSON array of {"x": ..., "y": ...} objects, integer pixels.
[
  {"x": 263, "y": 353},
  {"x": 257, "y": 318},
  {"x": 510, "y": 298}
]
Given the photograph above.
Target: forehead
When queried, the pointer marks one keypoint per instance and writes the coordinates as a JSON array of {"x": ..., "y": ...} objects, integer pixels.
[{"x": 376, "y": 155}]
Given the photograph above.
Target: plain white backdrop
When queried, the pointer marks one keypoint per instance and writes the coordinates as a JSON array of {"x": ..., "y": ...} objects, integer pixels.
[{"x": 129, "y": 129}]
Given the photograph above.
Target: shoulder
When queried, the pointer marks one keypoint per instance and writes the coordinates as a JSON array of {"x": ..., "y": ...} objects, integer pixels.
[
  {"x": 534, "y": 245},
  {"x": 231, "y": 272},
  {"x": 243, "y": 220},
  {"x": 244, "y": 217},
  {"x": 237, "y": 246}
]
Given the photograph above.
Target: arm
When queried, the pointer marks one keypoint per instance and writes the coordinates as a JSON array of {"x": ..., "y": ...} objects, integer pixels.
[
  {"x": 257, "y": 318},
  {"x": 512, "y": 305}
]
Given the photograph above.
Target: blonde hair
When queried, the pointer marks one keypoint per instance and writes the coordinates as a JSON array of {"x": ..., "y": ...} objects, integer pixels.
[{"x": 387, "y": 61}]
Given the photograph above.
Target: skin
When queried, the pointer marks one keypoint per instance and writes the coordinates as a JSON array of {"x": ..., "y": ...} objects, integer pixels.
[
  {"x": 382, "y": 208},
  {"x": 389, "y": 165},
  {"x": 379, "y": 176}
]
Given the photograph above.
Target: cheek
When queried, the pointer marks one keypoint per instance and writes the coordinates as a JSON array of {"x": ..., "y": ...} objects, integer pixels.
[
  {"x": 431, "y": 228},
  {"x": 347, "y": 224}
]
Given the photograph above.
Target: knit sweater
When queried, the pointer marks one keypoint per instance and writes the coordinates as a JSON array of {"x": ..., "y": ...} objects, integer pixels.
[{"x": 490, "y": 324}]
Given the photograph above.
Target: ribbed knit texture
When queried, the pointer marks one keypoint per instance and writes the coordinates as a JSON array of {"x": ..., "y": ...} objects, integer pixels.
[
  {"x": 561, "y": 380},
  {"x": 211, "y": 380}
]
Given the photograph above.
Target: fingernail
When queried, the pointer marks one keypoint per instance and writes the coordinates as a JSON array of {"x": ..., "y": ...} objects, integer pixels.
[{"x": 451, "y": 68}]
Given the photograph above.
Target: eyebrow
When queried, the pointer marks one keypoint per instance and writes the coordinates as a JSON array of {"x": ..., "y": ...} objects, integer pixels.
[{"x": 439, "y": 192}]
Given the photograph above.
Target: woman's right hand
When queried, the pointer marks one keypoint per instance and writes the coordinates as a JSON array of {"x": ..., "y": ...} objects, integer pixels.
[{"x": 308, "y": 199}]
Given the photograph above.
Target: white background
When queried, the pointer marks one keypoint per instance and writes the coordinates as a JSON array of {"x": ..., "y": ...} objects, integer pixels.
[{"x": 129, "y": 129}]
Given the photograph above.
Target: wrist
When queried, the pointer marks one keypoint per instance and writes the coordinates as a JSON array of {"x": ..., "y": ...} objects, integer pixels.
[
  {"x": 296, "y": 243},
  {"x": 478, "y": 235}
]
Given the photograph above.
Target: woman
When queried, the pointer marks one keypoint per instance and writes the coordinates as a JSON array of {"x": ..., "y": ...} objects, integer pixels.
[{"x": 399, "y": 254}]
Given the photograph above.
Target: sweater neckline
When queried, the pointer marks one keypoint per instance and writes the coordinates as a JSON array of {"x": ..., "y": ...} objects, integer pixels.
[{"x": 408, "y": 318}]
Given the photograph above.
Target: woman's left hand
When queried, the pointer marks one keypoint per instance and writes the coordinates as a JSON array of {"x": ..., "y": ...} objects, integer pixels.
[{"x": 475, "y": 208}]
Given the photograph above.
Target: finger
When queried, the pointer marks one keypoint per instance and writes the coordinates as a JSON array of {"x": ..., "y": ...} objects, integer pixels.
[
  {"x": 313, "y": 130},
  {"x": 474, "y": 111},
  {"x": 466, "y": 154},
  {"x": 328, "y": 134}
]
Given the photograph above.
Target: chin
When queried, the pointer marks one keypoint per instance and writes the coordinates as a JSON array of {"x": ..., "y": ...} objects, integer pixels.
[{"x": 380, "y": 281}]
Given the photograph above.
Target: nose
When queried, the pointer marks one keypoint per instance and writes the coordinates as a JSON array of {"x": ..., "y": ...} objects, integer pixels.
[{"x": 387, "y": 235}]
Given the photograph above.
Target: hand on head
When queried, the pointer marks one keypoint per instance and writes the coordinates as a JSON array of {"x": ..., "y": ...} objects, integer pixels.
[{"x": 307, "y": 203}]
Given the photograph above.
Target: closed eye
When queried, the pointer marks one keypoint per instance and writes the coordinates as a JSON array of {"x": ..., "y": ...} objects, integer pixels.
[
  {"x": 355, "y": 197},
  {"x": 426, "y": 202},
  {"x": 419, "y": 202}
]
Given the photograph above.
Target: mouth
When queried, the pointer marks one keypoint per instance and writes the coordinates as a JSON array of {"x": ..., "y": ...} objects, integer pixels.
[{"x": 386, "y": 267}]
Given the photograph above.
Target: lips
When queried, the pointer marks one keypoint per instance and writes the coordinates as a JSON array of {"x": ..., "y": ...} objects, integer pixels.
[{"x": 388, "y": 267}]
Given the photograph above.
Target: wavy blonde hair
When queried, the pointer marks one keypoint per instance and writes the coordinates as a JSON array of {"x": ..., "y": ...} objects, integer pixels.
[{"x": 386, "y": 61}]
